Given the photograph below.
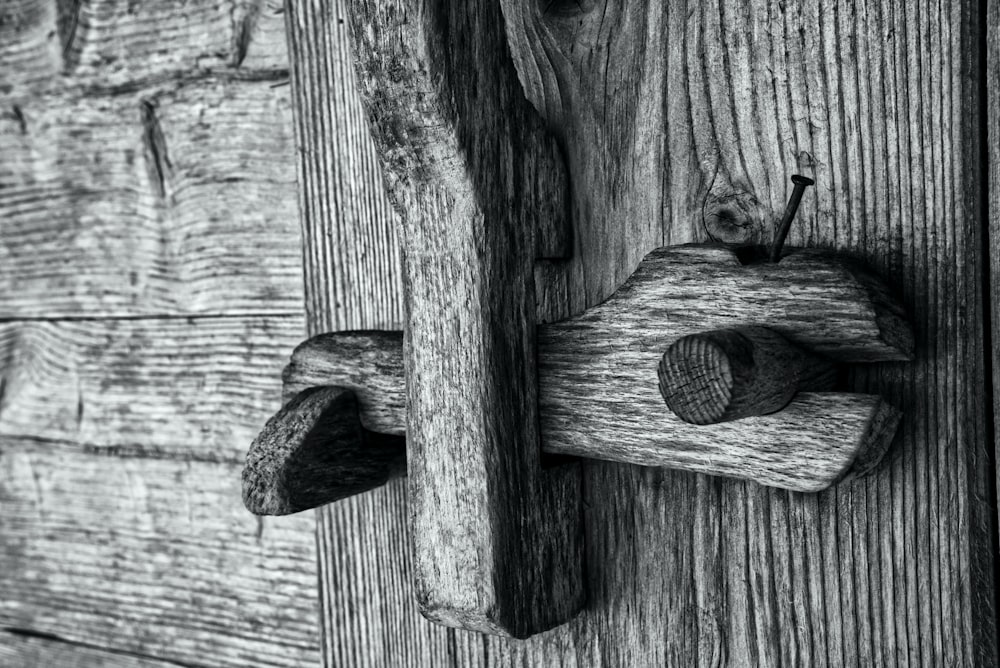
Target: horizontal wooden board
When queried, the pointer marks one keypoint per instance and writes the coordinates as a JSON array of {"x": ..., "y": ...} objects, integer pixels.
[
  {"x": 154, "y": 557},
  {"x": 173, "y": 200},
  {"x": 47, "y": 44},
  {"x": 31, "y": 651},
  {"x": 197, "y": 389}
]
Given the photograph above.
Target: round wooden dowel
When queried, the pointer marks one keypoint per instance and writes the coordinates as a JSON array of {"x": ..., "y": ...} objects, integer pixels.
[
  {"x": 730, "y": 374},
  {"x": 315, "y": 451}
]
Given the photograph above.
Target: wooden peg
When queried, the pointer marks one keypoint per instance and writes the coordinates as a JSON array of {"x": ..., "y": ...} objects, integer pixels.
[
  {"x": 315, "y": 451},
  {"x": 728, "y": 374}
]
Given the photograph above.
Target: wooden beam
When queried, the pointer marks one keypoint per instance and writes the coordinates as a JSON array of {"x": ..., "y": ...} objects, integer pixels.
[
  {"x": 496, "y": 538},
  {"x": 991, "y": 154}
]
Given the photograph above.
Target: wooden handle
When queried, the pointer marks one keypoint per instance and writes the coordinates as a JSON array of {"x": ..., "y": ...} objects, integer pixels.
[
  {"x": 728, "y": 374},
  {"x": 315, "y": 451}
]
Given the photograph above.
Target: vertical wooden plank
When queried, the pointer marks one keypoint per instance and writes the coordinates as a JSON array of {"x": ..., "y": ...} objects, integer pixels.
[
  {"x": 353, "y": 280},
  {"x": 990, "y": 51}
]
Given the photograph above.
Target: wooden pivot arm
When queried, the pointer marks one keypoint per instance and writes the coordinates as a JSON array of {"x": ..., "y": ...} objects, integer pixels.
[
  {"x": 728, "y": 374},
  {"x": 599, "y": 394}
]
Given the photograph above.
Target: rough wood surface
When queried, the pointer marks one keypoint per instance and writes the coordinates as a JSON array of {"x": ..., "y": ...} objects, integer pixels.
[
  {"x": 496, "y": 539},
  {"x": 368, "y": 363},
  {"x": 155, "y": 557},
  {"x": 819, "y": 439},
  {"x": 38, "y": 652},
  {"x": 728, "y": 374},
  {"x": 598, "y": 392},
  {"x": 50, "y": 44},
  {"x": 598, "y": 398},
  {"x": 171, "y": 200},
  {"x": 198, "y": 389},
  {"x": 878, "y": 102},
  {"x": 991, "y": 156},
  {"x": 315, "y": 451},
  {"x": 147, "y": 191}
]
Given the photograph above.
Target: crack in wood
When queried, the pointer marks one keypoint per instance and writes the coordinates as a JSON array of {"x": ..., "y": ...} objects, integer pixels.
[
  {"x": 48, "y": 637},
  {"x": 157, "y": 158}
]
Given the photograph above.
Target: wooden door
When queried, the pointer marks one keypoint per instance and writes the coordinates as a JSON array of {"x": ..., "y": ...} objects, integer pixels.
[
  {"x": 151, "y": 290},
  {"x": 882, "y": 103}
]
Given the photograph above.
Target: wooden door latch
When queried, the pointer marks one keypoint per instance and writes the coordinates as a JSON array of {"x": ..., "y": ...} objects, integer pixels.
[{"x": 703, "y": 361}]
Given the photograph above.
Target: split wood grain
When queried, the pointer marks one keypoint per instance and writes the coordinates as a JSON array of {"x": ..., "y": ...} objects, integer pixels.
[
  {"x": 196, "y": 389},
  {"x": 29, "y": 651},
  {"x": 728, "y": 374},
  {"x": 156, "y": 202},
  {"x": 687, "y": 569},
  {"x": 497, "y": 538},
  {"x": 152, "y": 556},
  {"x": 876, "y": 103},
  {"x": 597, "y": 395}
]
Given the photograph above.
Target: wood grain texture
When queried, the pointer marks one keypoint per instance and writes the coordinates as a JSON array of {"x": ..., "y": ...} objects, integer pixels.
[
  {"x": 146, "y": 178},
  {"x": 48, "y": 45},
  {"x": 728, "y": 374},
  {"x": 599, "y": 396},
  {"x": 879, "y": 102},
  {"x": 155, "y": 557},
  {"x": 497, "y": 539},
  {"x": 156, "y": 202},
  {"x": 368, "y": 363},
  {"x": 37, "y": 652},
  {"x": 198, "y": 389},
  {"x": 991, "y": 155},
  {"x": 315, "y": 451}
]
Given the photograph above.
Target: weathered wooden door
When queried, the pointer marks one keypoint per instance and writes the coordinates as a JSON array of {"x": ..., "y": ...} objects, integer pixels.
[
  {"x": 682, "y": 121},
  {"x": 150, "y": 292}
]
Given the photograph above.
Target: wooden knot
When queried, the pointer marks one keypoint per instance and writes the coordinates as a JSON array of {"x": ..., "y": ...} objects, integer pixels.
[{"x": 729, "y": 374}]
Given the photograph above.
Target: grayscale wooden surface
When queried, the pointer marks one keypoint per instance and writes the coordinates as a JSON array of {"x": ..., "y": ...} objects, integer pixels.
[
  {"x": 151, "y": 290},
  {"x": 688, "y": 570},
  {"x": 150, "y": 293}
]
